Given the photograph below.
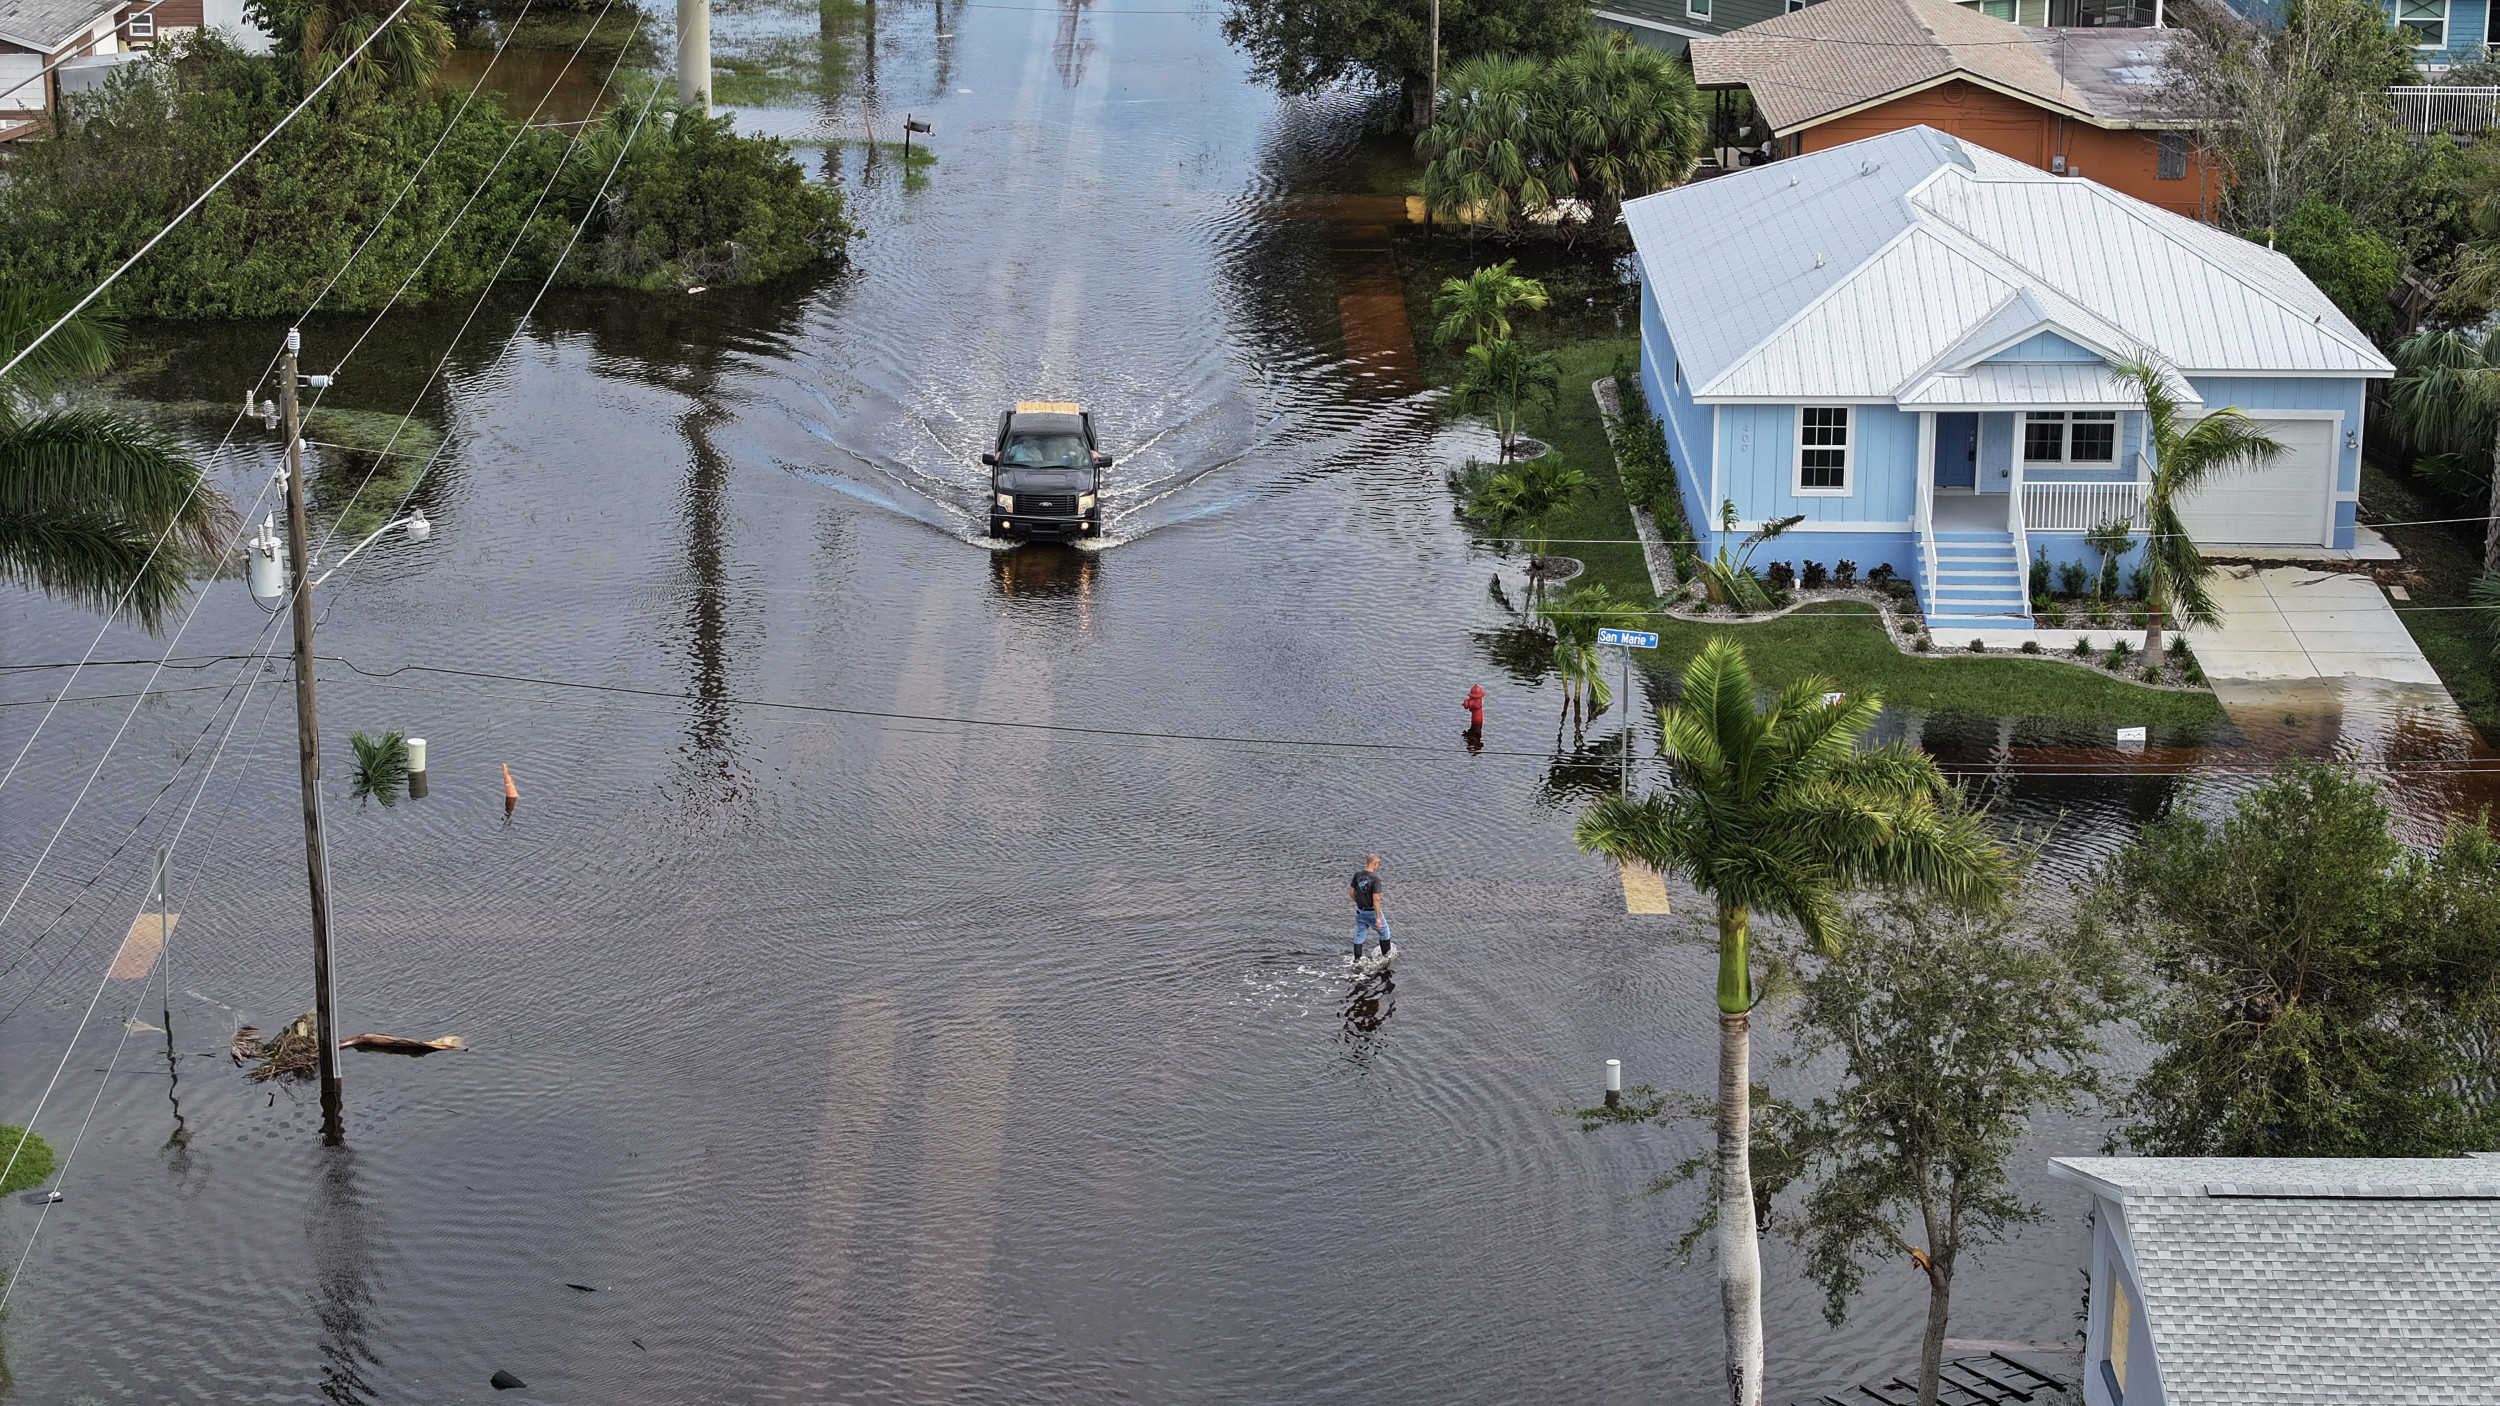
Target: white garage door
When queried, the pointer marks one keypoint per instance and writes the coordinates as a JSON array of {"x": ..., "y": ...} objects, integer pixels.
[{"x": 2283, "y": 502}]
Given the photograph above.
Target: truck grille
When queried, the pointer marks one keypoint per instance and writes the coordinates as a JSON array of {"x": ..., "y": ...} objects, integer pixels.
[{"x": 1060, "y": 503}]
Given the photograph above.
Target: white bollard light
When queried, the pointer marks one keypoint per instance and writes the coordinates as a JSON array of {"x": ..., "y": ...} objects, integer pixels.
[
  {"x": 416, "y": 768},
  {"x": 1614, "y": 1082}
]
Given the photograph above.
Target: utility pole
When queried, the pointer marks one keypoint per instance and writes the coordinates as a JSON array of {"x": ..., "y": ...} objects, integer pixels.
[
  {"x": 308, "y": 744},
  {"x": 694, "y": 54}
]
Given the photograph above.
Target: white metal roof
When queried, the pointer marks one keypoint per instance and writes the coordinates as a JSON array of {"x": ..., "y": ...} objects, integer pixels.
[
  {"x": 1871, "y": 265},
  {"x": 2072, "y": 385}
]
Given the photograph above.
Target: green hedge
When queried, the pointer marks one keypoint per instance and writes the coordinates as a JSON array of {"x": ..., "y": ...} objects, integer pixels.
[
  {"x": 1648, "y": 471},
  {"x": 705, "y": 206}
]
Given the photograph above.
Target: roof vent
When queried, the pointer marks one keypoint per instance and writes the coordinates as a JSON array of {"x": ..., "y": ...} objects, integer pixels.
[
  {"x": 1818, "y": 261},
  {"x": 1869, "y": 168}
]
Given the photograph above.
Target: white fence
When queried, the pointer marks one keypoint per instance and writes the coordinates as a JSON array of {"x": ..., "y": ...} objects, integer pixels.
[
  {"x": 2080, "y": 507},
  {"x": 2428, "y": 110}
]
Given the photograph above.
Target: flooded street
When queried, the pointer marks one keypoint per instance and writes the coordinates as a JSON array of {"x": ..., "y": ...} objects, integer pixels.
[{"x": 913, "y": 969}]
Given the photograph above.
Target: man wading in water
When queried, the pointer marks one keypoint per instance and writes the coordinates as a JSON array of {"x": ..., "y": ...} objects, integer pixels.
[{"x": 1369, "y": 916}]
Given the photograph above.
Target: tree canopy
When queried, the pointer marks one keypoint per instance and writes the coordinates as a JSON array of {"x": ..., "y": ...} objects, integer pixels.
[
  {"x": 2323, "y": 990},
  {"x": 1307, "y": 46}
]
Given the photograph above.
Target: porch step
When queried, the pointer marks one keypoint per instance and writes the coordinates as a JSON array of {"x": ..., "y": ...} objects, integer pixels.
[{"x": 1977, "y": 583}]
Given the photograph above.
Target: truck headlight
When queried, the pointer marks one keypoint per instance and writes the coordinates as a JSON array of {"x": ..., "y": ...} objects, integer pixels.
[
  {"x": 1085, "y": 502},
  {"x": 1006, "y": 501}
]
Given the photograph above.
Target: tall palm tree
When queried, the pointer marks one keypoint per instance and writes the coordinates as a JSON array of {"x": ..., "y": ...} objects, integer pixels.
[
  {"x": 1485, "y": 157},
  {"x": 1477, "y": 307},
  {"x": 1627, "y": 121},
  {"x": 2175, "y": 572},
  {"x": 1779, "y": 812},
  {"x": 320, "y": 34},
  {"x": 85, "y": 495},
  {"x": 2446, "y": 394}
]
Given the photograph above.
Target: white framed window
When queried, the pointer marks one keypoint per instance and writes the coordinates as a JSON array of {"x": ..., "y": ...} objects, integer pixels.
[
  {"x": 2426, "y": 20},
  {"x": 1823, "y": 449},
  {"x": 142, "y": 25},
  {"x": 2085, "y": 437},
  {"x": 1697, "y": 9},
  {"x": 1679, "y": 373}
]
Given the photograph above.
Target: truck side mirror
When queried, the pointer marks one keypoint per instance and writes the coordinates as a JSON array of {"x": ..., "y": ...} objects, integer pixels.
[
  {"x": 989, "y": 459},
  {"x": 1102, "y": 461}
]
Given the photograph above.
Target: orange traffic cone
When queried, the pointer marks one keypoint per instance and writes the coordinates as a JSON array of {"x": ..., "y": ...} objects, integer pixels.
[{"x": 511, "y": 793}]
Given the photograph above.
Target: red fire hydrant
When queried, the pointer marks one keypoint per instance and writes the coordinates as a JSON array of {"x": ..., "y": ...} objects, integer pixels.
[{"x": 1475, "y": 711}]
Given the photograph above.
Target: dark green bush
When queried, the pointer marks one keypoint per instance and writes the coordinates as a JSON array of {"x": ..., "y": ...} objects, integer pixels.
[{"x": 693, "y": 203}]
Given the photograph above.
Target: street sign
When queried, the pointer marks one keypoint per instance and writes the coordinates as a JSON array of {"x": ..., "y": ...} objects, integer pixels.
[{"x": 1630, "y": 639}]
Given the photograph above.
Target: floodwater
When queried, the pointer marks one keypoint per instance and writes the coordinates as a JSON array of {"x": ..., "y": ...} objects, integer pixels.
[{"x": 912, "y": 970}]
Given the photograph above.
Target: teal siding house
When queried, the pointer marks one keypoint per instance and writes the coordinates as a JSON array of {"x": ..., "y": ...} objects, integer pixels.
[{"x": 1920, "y": 364}]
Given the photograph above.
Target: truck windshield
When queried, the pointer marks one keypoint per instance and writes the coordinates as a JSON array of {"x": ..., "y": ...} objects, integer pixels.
[{"x": 1046, "y": 451}]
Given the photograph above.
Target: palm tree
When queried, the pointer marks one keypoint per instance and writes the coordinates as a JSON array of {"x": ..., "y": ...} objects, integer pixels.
[
  {"x": 1509, "y": 378},
  {"x": 1485, "y": 156},
  {"x": 1478, "y": 306},
  {"x": 2446, "y": 394},
  {"x": 1627, "y": 122},
  {"x": 1575, "y": 621},
  {"x": 1778, "y": 812},
  {"x": 2175, "y": 573},
  {"x": 320, "y": 34},
  {"x": 86, "y": 495}
]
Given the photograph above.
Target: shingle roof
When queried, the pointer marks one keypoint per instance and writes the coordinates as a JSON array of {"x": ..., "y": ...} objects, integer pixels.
[
  {"x": 1871, "y": 264},
  {"x": 2308, "y": 1281},
  {"x": 1812, "y": 64},
  {"x": 45, "y": 25}
]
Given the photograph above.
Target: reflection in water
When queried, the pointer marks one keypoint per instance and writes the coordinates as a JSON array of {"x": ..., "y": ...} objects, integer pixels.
[
  {"x": 1594, "y": 767},
  {"x": 1044, "y": 571},
  {"x": 341, "y": 1242},
  {"x": 1366, "y": 1011},
  {"x": 1072, "y": 46}
]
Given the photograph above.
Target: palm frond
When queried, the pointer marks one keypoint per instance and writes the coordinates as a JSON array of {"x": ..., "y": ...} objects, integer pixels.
[
  {"x": 97, "y": 462},
  {"x": 89, "y": 560},
  {"x": 82, "y": 347}
]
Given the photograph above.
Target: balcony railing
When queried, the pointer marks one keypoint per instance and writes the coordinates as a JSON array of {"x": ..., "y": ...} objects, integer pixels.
[
  {"x": 2080, "y": 507},
  {"x": 2431, "y": 109}
]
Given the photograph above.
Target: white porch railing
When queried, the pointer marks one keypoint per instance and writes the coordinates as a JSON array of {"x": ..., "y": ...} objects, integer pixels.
[
  {"x": 2433, "y": 108},
  {"x": 2080, "y": 507}
]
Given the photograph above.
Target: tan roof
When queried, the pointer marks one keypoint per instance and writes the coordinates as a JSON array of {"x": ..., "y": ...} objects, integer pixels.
[{"x": 1814, "y": 64}]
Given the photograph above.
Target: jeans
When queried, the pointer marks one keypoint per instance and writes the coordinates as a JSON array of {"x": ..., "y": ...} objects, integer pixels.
[{"x": 1367, "y": 922}]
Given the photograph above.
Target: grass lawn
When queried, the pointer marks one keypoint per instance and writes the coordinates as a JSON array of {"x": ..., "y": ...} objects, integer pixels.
[
  {"x": 1844, "y": 642},
  {"x": 2450, "y": 557}
]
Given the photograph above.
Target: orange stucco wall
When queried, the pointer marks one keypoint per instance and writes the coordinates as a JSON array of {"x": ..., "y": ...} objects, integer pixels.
[{"x": 2124, "y": 161}]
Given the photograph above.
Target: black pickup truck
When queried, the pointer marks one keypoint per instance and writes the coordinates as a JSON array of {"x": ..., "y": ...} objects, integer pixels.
[{"x": 1045, "y": 472}]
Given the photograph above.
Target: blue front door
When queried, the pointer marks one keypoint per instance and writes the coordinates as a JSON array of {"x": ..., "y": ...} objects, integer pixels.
[{"x": 1957, "y": 451}]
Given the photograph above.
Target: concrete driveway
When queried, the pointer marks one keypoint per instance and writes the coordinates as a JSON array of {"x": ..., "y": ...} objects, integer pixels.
[{"x": 2291, "y": 622}]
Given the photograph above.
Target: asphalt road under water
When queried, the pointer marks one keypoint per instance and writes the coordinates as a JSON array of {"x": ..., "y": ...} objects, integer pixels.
[{"x": 850, "y": 1036}]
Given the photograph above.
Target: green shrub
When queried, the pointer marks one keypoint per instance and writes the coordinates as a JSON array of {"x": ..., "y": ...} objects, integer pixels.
[
  {"x": 1978, "y": 646},
  {"x": 2153, "y": 674},
  {"x": 2031, "y": 646},
  {"x": 1923, "y": 644},
  {"x": 2083, "y": 648},
  {"x": 693, "y": 202},
  {"x": 33, "y": 1158}
]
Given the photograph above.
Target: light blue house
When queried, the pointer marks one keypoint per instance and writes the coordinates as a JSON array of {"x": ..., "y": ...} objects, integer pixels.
[
  {"x": 2443, "y": 32},
  {"x": 1916, "y": 355}
]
